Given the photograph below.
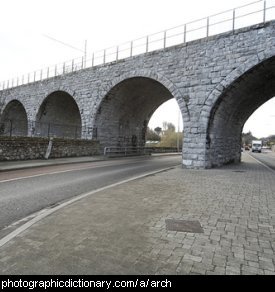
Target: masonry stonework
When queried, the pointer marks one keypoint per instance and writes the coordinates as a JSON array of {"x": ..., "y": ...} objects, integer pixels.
[
  {"x": 218, "y": 82},
  {"x": 25, "y": 148}
]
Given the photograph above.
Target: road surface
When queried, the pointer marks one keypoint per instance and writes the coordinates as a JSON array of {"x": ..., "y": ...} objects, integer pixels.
[
  {"x": 267, "y": 157},
  {"x": 25, "y": 192}
]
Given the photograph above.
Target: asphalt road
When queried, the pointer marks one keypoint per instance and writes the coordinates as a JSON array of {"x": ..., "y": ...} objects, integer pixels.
[
  {"x": 25, "y": 192},
  {"x": 266, "y": 157}
]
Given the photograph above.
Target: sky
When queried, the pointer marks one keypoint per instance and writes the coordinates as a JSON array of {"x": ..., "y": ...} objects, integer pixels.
[{"x": 27, "y": 26}]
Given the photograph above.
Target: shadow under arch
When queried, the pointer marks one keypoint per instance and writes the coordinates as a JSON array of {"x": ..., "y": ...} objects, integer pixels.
[
  {"x": 124, "y": 113},
  {"x": 14, "y": 121},
  {"x": 58, "y": 116},
  {"x": 232, "y": 108}
]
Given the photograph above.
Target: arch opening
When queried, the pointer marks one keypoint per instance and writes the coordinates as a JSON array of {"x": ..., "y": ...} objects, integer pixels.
[
  {"x": 58, "y": 116},
  {"x": 14, "y": 121},
  {"x": 165, "y": 128},
  {"x": 123, "y": 116},
  {"x": 233, "y": 108}
]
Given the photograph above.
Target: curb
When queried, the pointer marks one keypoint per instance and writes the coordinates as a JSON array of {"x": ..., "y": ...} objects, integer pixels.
[{"x": 40, "y": 215}]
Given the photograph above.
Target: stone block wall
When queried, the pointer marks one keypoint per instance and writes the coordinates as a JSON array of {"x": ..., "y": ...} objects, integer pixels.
[
  {"x": 201, "y": 75},
  {"x": 26, "y": 148}
]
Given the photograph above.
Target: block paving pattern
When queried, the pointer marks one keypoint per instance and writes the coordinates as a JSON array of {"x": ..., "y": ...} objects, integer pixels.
[{"x": 123, "y": 230}]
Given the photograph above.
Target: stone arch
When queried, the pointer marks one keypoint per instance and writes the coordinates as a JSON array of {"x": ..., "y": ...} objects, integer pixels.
[
  {"x": 127, "y": 105},
  {"x": 232, "y": 77},
  {"x": 230, "y": 105},
  {"x": 58, "y": 116},
  {"x": 183, "y": 104},
  {"x": 73, "y": 93},
  {"x": 14, "y": 120}
]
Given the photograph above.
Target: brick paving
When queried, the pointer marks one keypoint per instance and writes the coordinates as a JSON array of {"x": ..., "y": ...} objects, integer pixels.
[{"x": 123, "y": 231}]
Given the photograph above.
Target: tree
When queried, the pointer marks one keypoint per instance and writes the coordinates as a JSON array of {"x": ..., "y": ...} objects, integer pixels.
[
  {"x": 151, "y": 135},
  {"x": 158, "y": 130},
  {"x": 270, "y": 140},
  {"x": 168, "y": 127},
  {"x": 247, "y": 138},
  {"x": 170, "y": 138}
]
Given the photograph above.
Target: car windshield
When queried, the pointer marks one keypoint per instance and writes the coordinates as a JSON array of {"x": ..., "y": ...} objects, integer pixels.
[{"x": 256, "y": 145}]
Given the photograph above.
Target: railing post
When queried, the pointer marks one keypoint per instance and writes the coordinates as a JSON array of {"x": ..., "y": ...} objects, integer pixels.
[
  {"x": 41, "y": 74},
  {"x": 55, "y": 71},
  {"x": 207, "y": 27},
  {"x": 64, "y": 68},
  {"x": 264, "y": 16},
  {"x": 131, "y": 50},
  {"x": 73, "y": 65},
  {"x": 164, "y": 39},
  {"x": 93, "y": 60},
  {"x": 117, "y": 53},
  {"x": 147, "y": 44},
  {"x": 104, "y": 56},
  {"x": 34, "y": 75},
  {"x": 17, "y": 81},
  {"x": 185, "y": 31},
  {"x": 48, "y": 72},
  {"x": 233, "y": 20}
]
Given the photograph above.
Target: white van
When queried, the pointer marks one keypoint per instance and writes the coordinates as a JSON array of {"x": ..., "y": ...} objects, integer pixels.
[{"x": 257, "y": 146}]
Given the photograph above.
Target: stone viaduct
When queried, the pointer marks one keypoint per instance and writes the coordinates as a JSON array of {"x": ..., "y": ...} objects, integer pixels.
[{"x": 217, "y": 81}]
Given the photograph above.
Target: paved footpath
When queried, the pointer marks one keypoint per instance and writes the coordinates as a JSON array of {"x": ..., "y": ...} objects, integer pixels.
[{"x": 123, "y": 230}]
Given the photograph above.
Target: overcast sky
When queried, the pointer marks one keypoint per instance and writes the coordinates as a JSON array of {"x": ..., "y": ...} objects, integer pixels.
[{"x": 103, "y": 23}]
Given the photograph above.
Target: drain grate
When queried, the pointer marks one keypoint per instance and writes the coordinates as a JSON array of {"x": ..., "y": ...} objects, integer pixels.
[
  {"x": 183, "y": 226},
  {"x": 239, "y": 171}
]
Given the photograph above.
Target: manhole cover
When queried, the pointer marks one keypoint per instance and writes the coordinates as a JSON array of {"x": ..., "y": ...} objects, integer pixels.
[{"x": 183, "y": 226}]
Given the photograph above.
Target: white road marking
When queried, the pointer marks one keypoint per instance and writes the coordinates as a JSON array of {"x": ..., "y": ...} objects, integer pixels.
[
  {"x": 263, "y": 164},
  {"x": 46, "y": 212},
  {"x": 64, "y": 171}
]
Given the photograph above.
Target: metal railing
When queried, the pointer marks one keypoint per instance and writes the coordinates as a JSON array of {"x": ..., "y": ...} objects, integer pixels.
[
  {"x": 163, "y": 149},
  {"x": 137, "y": 151},
  {"x": 227, "y": 21},
  {"x": 11, "y": 128},
  {"x": 125, "y": 151}
]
